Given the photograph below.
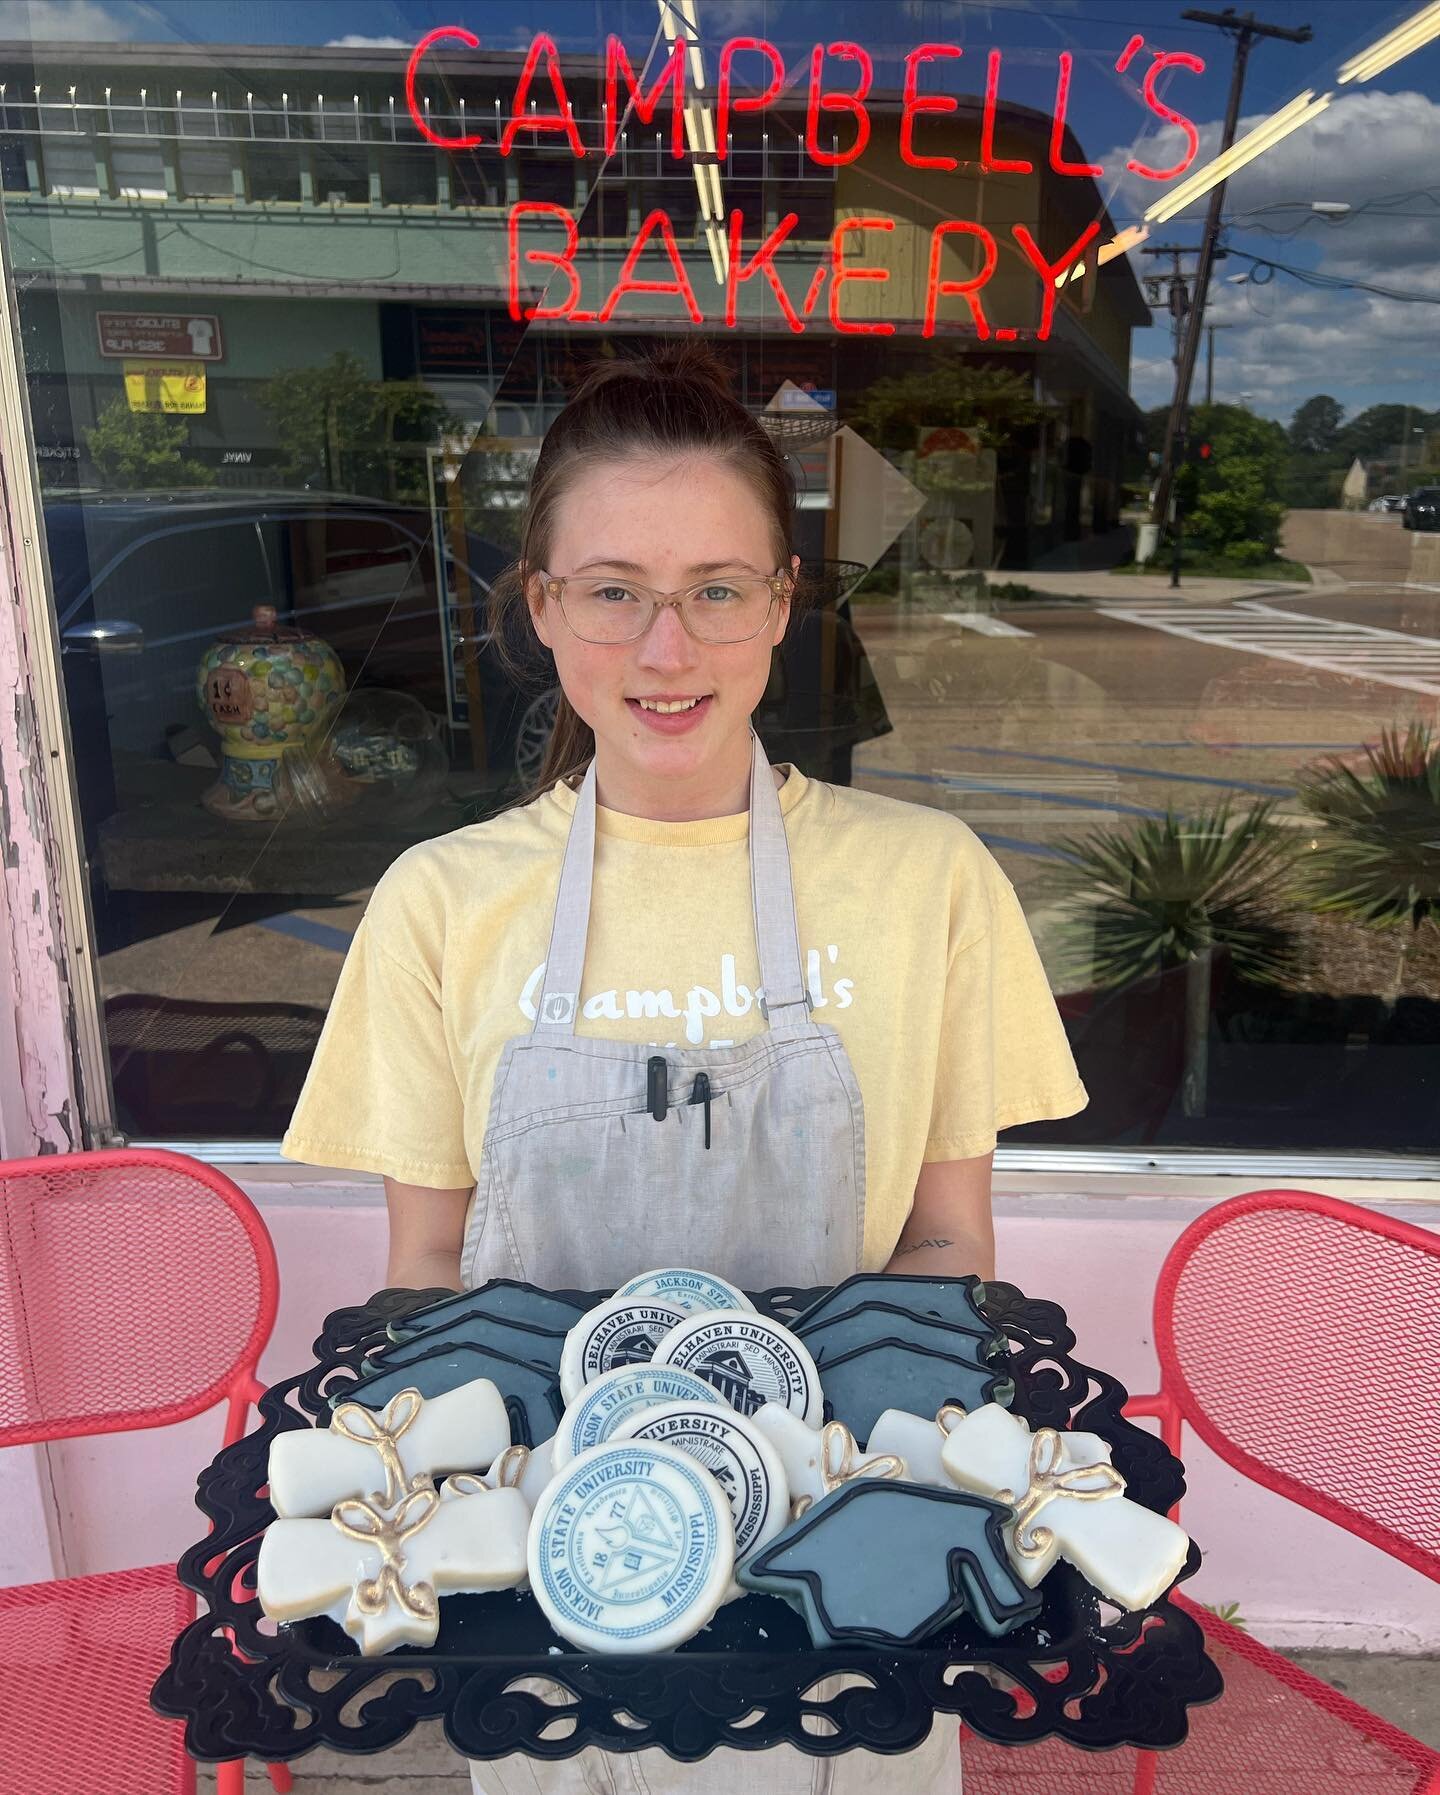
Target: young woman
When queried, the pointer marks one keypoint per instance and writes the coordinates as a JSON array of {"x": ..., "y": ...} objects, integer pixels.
[{"x": 682, "y": 1007}]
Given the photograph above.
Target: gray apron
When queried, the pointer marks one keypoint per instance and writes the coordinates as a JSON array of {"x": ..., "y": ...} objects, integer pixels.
[
  {"x": 588, "y": 1178},
  {"x": 581, "y": 1185}
]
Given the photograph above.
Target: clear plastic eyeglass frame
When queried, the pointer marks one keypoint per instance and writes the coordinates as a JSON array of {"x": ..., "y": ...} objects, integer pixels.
[{"x": 780, "y": 583}]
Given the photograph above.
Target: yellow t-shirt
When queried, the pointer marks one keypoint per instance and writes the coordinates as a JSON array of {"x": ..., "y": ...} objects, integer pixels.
[{"x": 915, "y": 948}]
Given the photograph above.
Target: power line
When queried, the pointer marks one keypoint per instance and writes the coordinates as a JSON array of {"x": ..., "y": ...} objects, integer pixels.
[{"x": 1312, "y": 277}]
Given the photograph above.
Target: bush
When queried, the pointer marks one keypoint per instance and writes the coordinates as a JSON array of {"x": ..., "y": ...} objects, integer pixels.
[{"x": 1232, "y": 502}]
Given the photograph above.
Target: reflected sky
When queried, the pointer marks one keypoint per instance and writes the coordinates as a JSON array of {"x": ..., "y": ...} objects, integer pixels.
[{"x": 1374, "y": 151}]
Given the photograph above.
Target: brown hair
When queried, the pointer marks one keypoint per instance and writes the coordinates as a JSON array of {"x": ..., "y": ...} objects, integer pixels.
[{"x": 676, "y": 399}]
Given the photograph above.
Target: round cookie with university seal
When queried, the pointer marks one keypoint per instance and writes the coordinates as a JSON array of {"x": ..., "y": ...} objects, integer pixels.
[
  {"x": 749, "y": 1360},
  {"x": 620, "y": 1331},
  {"x": 736, "y": 1454},
  {"x": 615, "y": 1397},
  {"x": 631, "y": 1548},
  {"x": 685, "y": 1289}
]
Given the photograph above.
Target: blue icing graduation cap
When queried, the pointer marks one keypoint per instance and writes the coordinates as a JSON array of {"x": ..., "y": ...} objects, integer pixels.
[
  {"x": 952, "y": 1300},
  {"x": 834, "y": 1335},
  {"x": 891, "y": 1563},
  {"x": 895, "y": 1374},
  {"x": 534, "y": 1346},
  {"x": 502, "y": 1297},
  {"x": 532, "y": 1395}
]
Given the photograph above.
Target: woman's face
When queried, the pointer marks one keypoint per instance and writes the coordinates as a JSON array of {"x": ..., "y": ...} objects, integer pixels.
[{"x": 666, "y": 524}]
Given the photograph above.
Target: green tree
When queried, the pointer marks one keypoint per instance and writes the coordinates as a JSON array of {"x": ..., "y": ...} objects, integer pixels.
[
  {"x": 993, "y": 402},
  {"x": 140, "y": 451},
  {"x": 1315, "y": 427},
  {"x": 1383, "y": 429},
  {"x": 348, "y": 432},
  {"x": 1232, "y": 502}
]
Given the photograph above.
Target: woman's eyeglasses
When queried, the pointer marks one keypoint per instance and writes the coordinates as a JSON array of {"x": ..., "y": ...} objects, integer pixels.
[{"x": 611, "y": 611}]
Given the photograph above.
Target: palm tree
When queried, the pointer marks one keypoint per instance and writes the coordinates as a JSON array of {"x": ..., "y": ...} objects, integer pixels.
[
  {"x": 1377, "y": 858},
  {"x": 1169, "y": 891}
]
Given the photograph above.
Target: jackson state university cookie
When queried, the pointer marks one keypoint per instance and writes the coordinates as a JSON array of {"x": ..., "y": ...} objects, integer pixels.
[
  {"x": 735, "y": 1453},
  {"x": 615, "y": 1397},
  {"x": 631, "y": 1548},
  {"x": 685, "y": 1289}
]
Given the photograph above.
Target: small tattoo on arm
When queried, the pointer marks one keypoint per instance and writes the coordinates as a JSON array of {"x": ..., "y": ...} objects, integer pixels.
[{"x": 916, "y": 1246}]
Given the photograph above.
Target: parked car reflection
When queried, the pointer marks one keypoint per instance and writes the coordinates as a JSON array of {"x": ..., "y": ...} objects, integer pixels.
[{"x": 145, "y": 582}]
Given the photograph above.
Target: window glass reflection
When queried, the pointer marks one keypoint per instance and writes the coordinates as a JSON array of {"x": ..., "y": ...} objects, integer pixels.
[{"x": 285, "y": 375}]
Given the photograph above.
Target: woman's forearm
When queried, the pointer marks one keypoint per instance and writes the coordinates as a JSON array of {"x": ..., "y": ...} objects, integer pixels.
[
  {"x": 945, "y": 1256},
  {"x": 435, "y": 1270}
]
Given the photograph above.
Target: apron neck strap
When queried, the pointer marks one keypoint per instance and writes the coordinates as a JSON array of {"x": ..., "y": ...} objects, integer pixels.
[{"x": 786, "y": 1002}]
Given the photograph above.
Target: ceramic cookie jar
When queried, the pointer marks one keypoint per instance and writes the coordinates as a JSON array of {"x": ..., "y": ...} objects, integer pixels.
[{"x": 269, "y": 690}]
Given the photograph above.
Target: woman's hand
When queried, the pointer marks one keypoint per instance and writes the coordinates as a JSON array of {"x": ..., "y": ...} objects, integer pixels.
[
  {"x": 950, "y": 1229},
  {"x": 427, "y": 1228}
]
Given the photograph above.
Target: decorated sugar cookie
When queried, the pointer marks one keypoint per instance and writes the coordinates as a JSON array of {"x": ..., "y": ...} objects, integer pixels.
[
  {"x": 749, "y": 1360},
  {"x": 631, "y": 1548}
]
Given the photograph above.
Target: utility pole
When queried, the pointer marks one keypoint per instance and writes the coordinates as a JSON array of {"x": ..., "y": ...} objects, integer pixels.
[
  {"x": 1245, "y": 31},
  {"x": 1210, "y": 330}
]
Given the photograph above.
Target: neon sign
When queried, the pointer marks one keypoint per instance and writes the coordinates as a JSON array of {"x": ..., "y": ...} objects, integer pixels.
[
  {"x": 840, "y": 80},
  {"x": 544, "y": 56}
]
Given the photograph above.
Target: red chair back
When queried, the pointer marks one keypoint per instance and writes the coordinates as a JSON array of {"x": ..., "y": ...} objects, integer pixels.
[
  {"x": 137, "y": 1288},
  {"x": 1297, "y": 1335}
]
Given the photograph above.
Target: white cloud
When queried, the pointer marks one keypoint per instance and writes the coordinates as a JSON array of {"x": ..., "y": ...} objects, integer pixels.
[
  {"x": 355, "y": 40},
  {"x": 1287, "y": 340},
  {"x": 48, "y": 21}
]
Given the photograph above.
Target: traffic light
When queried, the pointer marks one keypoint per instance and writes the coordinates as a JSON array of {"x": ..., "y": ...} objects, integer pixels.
[{"x": 1201, "y": 454}]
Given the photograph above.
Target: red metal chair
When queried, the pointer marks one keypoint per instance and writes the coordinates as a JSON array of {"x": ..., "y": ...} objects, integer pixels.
[
  {"x": 1296, "y": 1335},
  {"x": 137, "y": 1289}
]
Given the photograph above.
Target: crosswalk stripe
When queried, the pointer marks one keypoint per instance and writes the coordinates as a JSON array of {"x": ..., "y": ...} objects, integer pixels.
[{"x": 1361, "y": 650}]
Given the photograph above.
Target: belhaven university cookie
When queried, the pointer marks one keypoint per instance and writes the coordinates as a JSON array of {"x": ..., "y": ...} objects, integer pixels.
[
  {"x": 619, "y": 1331},
  {"x": 749, "y": 1360},
  {"x": 631, "y": 1548}
]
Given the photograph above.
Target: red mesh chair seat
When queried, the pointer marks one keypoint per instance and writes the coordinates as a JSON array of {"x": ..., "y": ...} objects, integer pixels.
[
  {"x": 1296, "y": 1335},
  {"x": 77, "y": 1661},
  {"x": 137, "y": 1289}
]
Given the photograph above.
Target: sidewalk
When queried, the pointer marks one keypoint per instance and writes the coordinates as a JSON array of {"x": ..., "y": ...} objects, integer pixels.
[
  {"x": 1405, "y": 1691},
  {"x": 1136, "y": 588}
]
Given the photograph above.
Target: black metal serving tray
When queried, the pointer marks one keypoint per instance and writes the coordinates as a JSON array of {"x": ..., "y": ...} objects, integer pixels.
[{"x": 1081, "y": 1671}]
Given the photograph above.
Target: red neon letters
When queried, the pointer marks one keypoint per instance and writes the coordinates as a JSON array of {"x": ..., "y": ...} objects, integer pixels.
[
  {"x": 646, "y": 105},
  {"x": 543, "y": 58},
  {"x": 562, "y": 120},
  {"x": 853, "y": 103},
  {"x": 915, "y": 102},
  {"x": 412, "y": 69},
  {"x": 658, "y": 227},
  {"x": 840, "y": 274},
  {"x": 746, "y": 102},
  {"x": 1169, "y": 59}
]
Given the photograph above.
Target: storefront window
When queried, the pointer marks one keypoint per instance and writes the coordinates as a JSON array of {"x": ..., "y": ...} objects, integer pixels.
[{"x": 1177, "y": 666}]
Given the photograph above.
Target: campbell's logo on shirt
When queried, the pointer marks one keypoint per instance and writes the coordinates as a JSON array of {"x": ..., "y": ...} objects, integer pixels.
[{"x": 701, "y": 1004}]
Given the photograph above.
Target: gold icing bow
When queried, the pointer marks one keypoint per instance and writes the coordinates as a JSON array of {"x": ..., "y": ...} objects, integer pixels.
[
  {"x": 357, "y": 1519},
  {"x": 353, "y": 1421},
  {"x": 1082, "y": 1483},
  {"x": 838, "y": 1466},
  {"x": 510, "y": 1467}
]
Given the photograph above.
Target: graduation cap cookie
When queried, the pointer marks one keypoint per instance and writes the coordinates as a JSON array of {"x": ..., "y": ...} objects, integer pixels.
[
  {"x": 951, "y": 1300},
  {"x": 890, "y": 1563},
  {"x": 504, "y": 1298},
  {"x": 532, "y": 1396},
  {"x": 894, "y": 1373},
  {"x": 517, "y": 1340}
]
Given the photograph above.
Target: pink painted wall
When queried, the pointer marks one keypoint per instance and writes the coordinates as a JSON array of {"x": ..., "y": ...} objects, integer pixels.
[
  {"x": 38, "y": 1107},
  {"x": 130, "y": 1501}
]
